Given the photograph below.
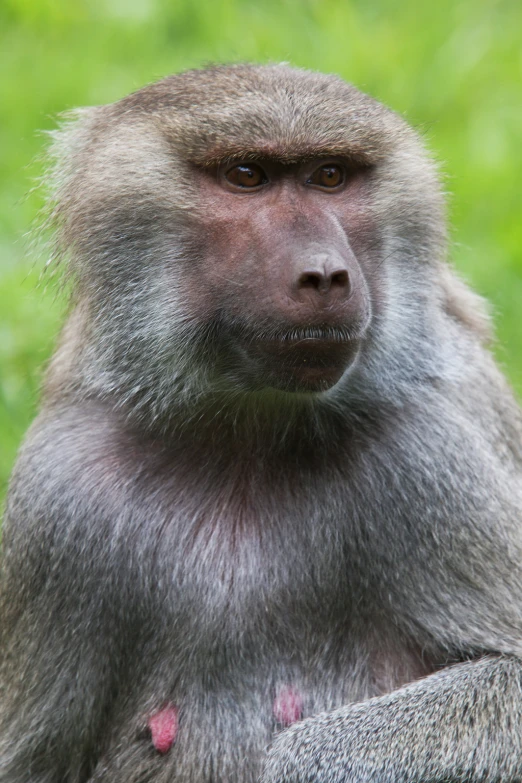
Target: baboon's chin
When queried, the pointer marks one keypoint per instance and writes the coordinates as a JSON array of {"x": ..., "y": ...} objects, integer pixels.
[{"x": 306, "y": 366}]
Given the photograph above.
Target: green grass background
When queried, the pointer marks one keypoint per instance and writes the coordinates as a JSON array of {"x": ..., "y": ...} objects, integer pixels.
[{"x": 452, "y": 68}]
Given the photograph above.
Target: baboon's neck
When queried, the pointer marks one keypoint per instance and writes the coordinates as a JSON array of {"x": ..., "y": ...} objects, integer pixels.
[{"x": 281, "y": 428}]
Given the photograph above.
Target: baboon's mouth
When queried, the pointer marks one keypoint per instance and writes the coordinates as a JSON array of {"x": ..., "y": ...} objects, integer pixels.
[
  {"x": 318, "y": 334},
  {"x": 308, "y": 364}
]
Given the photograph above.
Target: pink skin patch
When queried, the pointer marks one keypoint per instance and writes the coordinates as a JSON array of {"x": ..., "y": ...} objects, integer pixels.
[
  {"x": 288, "y": 706},
  {"x": 163, "y": 727}
]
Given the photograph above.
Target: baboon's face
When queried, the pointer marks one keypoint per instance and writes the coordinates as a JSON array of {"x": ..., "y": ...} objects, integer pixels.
[{"x": 281, "y": 266}]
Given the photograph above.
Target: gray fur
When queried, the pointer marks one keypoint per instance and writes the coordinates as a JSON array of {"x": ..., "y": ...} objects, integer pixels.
[{"x": 172, "y": 536}]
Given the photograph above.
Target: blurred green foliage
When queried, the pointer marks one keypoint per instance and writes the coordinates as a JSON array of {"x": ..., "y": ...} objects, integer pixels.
[{"x": 452, "y": 68}]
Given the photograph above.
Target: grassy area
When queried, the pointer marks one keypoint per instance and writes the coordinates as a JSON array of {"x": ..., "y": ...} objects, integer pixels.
[{"x": 452, "y": 68}]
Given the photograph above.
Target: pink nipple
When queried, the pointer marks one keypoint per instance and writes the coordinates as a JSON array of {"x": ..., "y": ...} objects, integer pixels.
[
  {"x": 163, "y": 727},
  {"x": 288, "y": 705}
]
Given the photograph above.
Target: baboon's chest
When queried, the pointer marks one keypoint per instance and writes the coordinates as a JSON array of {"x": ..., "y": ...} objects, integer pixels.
[
  {"x": 213, "y": 724},
  {"x": 258, "y": 618},
  {"x": 274, "y": 605}
]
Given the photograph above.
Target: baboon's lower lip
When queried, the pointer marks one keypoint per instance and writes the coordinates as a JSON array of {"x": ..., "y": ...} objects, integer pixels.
[
  {"x": 306, "y": 344},
  {"x": 305, "y": 364}
]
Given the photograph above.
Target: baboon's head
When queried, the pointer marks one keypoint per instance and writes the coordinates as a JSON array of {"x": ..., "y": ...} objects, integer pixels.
[{"x": 243, "y": 229}]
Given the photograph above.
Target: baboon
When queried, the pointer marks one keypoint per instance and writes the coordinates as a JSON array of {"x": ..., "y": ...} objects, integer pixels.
[{"x": 268, "y": 521}]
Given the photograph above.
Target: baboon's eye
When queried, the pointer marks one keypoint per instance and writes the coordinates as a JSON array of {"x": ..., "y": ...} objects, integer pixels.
[
  {"x": 327, "y": 176},
  {"x": 246, "y": 175}
]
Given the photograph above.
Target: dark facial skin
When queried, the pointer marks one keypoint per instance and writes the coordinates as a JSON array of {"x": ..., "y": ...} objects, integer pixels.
[{"x": 280, "y": 235}]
